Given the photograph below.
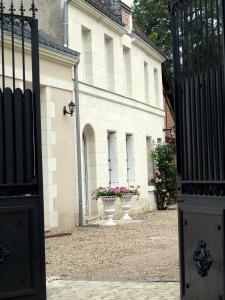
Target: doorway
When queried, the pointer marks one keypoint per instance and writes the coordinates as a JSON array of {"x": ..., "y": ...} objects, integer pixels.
[{"x": 89, "y": 170}]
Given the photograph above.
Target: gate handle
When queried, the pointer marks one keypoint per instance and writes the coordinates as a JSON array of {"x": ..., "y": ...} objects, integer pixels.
[{"x": 3, "y": 253}]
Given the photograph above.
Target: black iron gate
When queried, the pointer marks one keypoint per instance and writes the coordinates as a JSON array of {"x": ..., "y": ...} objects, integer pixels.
[
  {"x": 198, "y": 39},
  {"x": 22, "y": 271}
]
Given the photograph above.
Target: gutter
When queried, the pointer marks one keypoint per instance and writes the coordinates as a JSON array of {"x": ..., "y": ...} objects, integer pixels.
[{"x": 77, "y": 115}]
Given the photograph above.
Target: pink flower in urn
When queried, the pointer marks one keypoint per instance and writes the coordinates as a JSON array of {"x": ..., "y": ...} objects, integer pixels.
[
  {"x": 100, "y": 188},
  {"x": 123, "y": 189}
]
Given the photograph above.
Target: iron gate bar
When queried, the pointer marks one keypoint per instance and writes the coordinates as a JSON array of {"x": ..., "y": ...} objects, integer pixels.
[
  {"x": 13, "y": 46},
  {"x": 22, "y": 10},
  {"x": 2, "y": 44}
]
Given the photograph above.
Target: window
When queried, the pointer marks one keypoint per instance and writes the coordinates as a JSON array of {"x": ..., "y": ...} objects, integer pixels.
[
  {"x": 146, "y": 80},
  {"x": 130, "y": 159},
  {"x": 127, "y": 71},
  {"x": 112, "y": 159},
  {"x": 156, "y": 85},
  {"x": 150, "y": 164},
  {"x": 109, "y": 63},
  {"x": 87, "y": 55}
]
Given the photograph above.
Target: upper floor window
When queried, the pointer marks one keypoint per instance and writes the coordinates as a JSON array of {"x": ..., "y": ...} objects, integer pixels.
[
  {"x": 156, "y": 85},
  {"x": 127, "y": 71},
  {"x": 109, "y": 63},
  {"x": 146, "y": 82},
  {"x": 87, "y": 55}
]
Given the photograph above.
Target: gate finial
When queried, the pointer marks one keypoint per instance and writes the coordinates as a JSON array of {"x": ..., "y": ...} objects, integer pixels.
[
  {"x": 22, "y": 10},
  {"x": 2, "y": 7},
  {"x": 33, "y": 9},
  {"x": 12, "y": 9}
]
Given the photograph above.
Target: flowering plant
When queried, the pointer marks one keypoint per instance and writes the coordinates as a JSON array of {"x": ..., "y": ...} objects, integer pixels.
[
  {"x": 165, "y": 175},
  {"x": 130, "y": 190},
  {"x": 115, "y": 191}
]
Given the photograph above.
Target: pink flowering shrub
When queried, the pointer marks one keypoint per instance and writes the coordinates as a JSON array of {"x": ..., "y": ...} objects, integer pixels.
[
  {"x": 115, "y": 191},
  {"x": 165, "y": 175}
]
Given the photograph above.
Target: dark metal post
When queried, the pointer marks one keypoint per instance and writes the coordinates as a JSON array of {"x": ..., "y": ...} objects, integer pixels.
[{"x": 38, "y": 142}]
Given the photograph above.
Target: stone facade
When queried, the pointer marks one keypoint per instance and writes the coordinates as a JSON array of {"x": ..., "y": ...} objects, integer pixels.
[{"x": 134, "y": 107}]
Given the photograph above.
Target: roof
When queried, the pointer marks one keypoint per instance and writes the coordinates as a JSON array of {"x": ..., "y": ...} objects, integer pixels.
[
  {"x": 48, "y": 44},
  {"x": 105, "y": 10},
  {"x": 44, "y": 42}
]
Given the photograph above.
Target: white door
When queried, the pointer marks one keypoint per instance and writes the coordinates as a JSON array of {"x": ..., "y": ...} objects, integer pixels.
[{"x": 86, "y": 184}]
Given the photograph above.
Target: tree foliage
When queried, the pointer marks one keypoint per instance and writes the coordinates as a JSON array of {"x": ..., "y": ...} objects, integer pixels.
[{"x": 153, "y": 18}]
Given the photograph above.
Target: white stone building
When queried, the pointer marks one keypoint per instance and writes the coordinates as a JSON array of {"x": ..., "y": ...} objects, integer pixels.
[{"x": 121, "y": 108}]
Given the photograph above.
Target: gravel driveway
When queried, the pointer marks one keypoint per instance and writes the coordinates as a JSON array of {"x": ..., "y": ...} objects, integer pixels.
[{"x": 147, "y": 251}]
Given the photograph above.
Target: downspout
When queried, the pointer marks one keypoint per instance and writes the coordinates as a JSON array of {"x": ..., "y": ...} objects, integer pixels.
[
  {"x": 78, "y": 142},
  {"x": 77, "y": 102}
]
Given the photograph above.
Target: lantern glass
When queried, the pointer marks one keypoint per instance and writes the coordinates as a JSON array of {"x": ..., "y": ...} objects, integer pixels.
[{"x": 72, "y": 107}]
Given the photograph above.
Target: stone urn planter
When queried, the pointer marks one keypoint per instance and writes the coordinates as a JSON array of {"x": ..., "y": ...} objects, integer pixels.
[
  {"x": 126, "y": 205},
  {"x": 109, "y": 209}
]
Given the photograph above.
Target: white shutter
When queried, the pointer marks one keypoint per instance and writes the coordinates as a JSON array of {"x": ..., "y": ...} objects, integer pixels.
[
  {"x": 112, "y": 159},
  {"x": 130, "y": 160}
]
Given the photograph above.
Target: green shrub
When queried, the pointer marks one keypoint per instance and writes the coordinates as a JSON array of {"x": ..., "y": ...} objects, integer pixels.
[{"x": 165, "y": 175}]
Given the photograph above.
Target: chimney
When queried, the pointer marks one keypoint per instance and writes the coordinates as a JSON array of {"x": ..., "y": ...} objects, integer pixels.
[
  {"x": 115, "y": 7},
  {"x": 127, "y": 15}
]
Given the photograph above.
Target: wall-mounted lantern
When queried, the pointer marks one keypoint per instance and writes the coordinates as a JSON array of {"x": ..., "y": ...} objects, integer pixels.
[{"x": 71, "y": 109}]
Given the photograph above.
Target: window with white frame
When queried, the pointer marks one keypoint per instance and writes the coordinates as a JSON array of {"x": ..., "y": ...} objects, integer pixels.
[
  {"x": 109, "y": 63},
  {"x": 112, "y": 159},
  {"x": 87, "y": 55},
  {"x": 146, "y": 80},
  {"x": 159, "y": 141},
  {"x": 156, "y": 86},
  {"x": 130, "y": 159},
  {"x": 127, "y": 71}
]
